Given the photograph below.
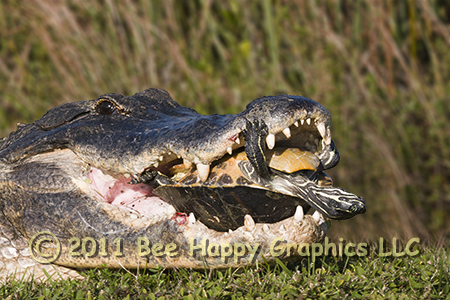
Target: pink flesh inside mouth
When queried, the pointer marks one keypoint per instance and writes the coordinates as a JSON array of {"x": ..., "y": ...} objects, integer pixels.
[{"x": 117, "y": 190}]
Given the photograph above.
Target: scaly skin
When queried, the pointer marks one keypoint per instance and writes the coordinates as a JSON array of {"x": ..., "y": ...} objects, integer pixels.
[{"x": 44, "y": 184}]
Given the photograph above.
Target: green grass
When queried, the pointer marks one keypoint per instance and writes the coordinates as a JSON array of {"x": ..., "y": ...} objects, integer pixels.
[{"x": 423, "y": 276}]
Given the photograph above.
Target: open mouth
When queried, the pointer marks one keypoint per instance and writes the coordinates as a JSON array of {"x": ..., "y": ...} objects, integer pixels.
[
  {"x": 145, "y": 170},
  {"x": 267, "y": 175}
]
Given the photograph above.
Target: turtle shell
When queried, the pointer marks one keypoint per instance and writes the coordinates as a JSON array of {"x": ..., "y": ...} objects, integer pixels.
[{"x": 222, "y": 201}]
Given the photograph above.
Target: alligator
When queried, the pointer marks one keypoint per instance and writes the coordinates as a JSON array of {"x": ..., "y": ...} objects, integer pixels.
[{"x": 141, "y": 181}]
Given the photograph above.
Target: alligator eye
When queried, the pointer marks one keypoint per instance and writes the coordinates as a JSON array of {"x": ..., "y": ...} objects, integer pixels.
[{"x": 106, "y": 108}]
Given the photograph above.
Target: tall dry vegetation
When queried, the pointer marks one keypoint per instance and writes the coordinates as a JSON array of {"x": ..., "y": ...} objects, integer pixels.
[{"x": 380, "y": 67}]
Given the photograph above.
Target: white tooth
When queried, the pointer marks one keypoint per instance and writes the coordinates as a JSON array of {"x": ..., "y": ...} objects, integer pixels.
[
  {"x": 230, "y": 150},
  {"x": 237, "y": 141},
  {"x": 187, "y": 163},
  {"x": 161, "y": 158},
  {"x": 298, "y": 214},
  {"x": 265, "y": 228},
  {"x": 270, "y": 140},
  {"x": 282, "y": 228},
  {"x": 287, "y": 132},
  {"x": 322, "y": 130},
  {"x": 317, "y": 216},
  {"x": 302, "y": 121},
  {"x": 328, "y": 137},
  {"x": 230, "y": 231},
  {"x": 249, "y": 223},
  {"x": 170, "y": 211},
  {"x": 191, "y": 218},
  {"x": 296, "y": 124},
  {"x": 126, "y": 175},
  {"x": 203, "y": 171},
  {"x": 156, "y": 164},
  {"x": 308, "y": 121}
]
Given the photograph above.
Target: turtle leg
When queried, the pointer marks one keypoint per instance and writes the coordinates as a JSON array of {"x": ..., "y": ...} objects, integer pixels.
[
  {"x": 249, "y": 171},
  {"x": 329, "y": 156},
  {"x": 255, "y": 144}
]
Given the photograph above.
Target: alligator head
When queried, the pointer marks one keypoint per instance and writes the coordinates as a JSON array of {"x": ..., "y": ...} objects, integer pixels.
[{"x": 99, "y": 171}]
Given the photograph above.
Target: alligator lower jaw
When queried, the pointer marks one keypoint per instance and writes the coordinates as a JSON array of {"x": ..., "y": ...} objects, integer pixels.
[{"x": 139, "y": 208}]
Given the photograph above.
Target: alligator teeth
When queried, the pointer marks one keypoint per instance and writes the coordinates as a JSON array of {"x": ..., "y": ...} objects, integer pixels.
[
  {"x": 265, "y": 228},
  {"x": 308, "y": 121},
  {"x": 230, "y": 150},
  {"x": 249, "y": 223},
  {"x": 203, "y": 171},
  {"x": 237, "y": 141},
  {"x": 302, "y": 121},
  {"x": 322, "y": 130},
  {"x": 287, "y": 132},
  {"x": 317, "y": 216},
  {"x": 187, "y": 163},
  {"x": 298, "y": 214},
  {"x": 296, "y": 123},
  {"x": 126, "y": 175},
  {"x": 170, "y": 211},
  {"x": 282, "y": 228},
  {"x": 191, "y": 218},
  {"x": 270, "y": 140},
  {"x": 161, "y": 158},
  {"x": 230, "y": 231},
  {"x": 328, "y": 137}
]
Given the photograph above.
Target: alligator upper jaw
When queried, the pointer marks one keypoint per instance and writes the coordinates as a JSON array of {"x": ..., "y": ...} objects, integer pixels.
[{"x": 309, "y": 133}]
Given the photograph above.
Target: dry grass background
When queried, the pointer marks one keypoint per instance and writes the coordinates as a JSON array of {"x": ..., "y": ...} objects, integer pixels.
[{"x": 381, "y": 68}]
